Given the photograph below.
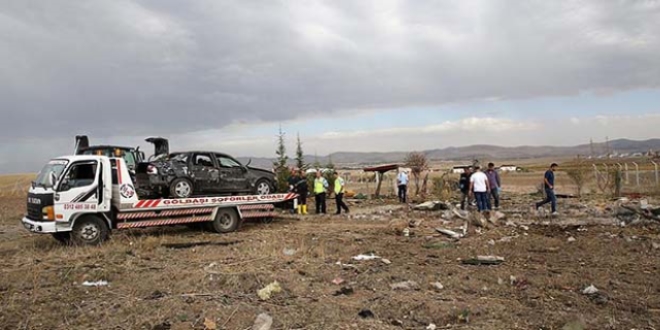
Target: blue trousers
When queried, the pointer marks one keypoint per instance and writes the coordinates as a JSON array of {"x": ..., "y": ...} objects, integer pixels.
[
  {"x": 549, "y": 198},
  {"x": 483, "y": 204}
]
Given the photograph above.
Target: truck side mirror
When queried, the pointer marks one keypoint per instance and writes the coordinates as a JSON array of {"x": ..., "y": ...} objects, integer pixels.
[
  {"x": 50, "y": 179},
  {"x": 64, "y": 186}
]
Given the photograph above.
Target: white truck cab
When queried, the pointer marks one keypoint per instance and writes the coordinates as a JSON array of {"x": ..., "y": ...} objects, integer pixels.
[{"x": 82, "y": 198}]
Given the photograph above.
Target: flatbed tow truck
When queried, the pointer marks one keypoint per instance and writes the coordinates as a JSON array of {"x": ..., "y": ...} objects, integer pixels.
[{"x": 82, "y": 198}]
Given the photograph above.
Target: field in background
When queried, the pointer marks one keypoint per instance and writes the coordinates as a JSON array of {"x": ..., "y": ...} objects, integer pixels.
[{"x": 15, "y": 184}]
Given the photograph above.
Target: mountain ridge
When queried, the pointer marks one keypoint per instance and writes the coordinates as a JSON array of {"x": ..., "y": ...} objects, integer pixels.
[{"x": 478, "y": 151}]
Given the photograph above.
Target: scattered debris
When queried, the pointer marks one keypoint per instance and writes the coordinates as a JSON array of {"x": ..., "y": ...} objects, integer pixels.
[
  {"x": 196, "y": 244},
  {"x": 397, "y": 323},
  {"x": 571, "y": 239},
  {"x": 96, "y": 284},
  {"x": 655, "y": 246},
  {"x": 449, "y": 233},
  {"x": 405, "y": 286},
  {"x": 210, "y": 324},
  {"x": 406, "y": 232},
  {"x": 497, "y": 216},
  {"x": 491, "y": 242},
  {"x": 484, "y": 260},
  {"x": 432, "y": 206},
  {"x": 431, "y": 327},
  {"x": 366, "y": 314},
  {"x": 437, "y": 285},
  {"x": 156, "y": 295},
  {"x": 289, "y": 252},
  {"x": 523, "y": 227},
  {"x": 362, "y": 257},
  {"x": 344, "y": 291},
  {"x": 337, "y": 281},
  {"x": 505, "y": 239},
  {"x": 269, "y": 290},
  {"x": 386, "y": 261},
  {"x": 415, "y": 223},
  {"x": 590, "y": 290},
  {"x": 263, "y": 322}
]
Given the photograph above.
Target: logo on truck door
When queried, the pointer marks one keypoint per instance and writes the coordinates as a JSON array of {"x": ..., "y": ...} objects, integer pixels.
[{"x": 126, "y": 190}]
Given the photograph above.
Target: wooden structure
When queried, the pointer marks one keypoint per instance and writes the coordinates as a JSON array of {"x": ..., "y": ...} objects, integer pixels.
[{"x": 380, "y": 171}]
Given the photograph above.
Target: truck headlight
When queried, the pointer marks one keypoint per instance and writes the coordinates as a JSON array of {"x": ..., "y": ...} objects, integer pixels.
[{"x": 48, "y": 213}]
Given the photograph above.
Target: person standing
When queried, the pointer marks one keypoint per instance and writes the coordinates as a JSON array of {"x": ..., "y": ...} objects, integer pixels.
[
  {"x": 464, "y": 185},
  {"x": 480, "y": 188},
  {"x": 301, "y": 188},
  {"x": 549, "y": 185},
  {"x": 320, "y": 190},
  {"x": 339, "y": 193},
  {"x": 402, "y": 183},
  {"x": 495, "y": 185}
]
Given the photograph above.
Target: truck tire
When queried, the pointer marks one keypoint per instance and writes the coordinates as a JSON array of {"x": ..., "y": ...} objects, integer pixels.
[
  {"x": 62, "y": 237},
  {"x": 89, "y": 230},
  {"x": 181, "y": 188},
  {"x": 226, "y": 220},
  {"x": 263, "y": 187}
]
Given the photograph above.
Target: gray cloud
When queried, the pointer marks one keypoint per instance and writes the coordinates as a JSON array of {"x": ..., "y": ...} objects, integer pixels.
[{"x": 154, "y": 67}]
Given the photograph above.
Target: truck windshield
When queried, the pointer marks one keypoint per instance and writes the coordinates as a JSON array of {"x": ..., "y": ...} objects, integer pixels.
[{"x": 55, "y": 167}]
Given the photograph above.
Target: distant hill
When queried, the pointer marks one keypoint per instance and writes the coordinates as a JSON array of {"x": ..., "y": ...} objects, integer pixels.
[{"x": 618, "y": 147}]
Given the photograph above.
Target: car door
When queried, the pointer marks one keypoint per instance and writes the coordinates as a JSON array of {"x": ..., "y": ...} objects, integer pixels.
[
  {"x": 233, "y": 175},
  {"x": 84, "y": 188},
  {"x": 202, "y": 170}
]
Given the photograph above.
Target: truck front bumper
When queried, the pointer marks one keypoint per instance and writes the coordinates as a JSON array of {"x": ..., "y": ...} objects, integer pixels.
[{"x": 44, "y": 227}]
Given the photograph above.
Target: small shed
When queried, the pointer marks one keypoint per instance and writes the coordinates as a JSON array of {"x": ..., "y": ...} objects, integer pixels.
[{"x": 380, "y": 171}]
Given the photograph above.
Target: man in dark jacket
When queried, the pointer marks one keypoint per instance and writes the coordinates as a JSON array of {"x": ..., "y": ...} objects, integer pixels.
[
  {"x": 302, "y": 189},
  {"x": 549, "y": 185},
  {"x": 464, "y": 185},
  {"x": 495, "y": 184}
]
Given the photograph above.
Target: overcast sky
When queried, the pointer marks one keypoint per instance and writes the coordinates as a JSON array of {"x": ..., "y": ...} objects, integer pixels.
[{"x": 347, "y": 75}]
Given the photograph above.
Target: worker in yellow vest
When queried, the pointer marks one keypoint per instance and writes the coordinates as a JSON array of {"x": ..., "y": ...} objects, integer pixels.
[
  {"x": 320, "y": 189},
  {"x": 340, "y": 185}
]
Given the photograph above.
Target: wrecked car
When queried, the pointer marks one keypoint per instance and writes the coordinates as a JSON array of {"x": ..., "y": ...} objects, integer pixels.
[{"x": 186, "y": 174}]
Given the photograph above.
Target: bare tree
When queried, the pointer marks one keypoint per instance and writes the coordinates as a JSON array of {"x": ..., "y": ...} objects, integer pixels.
[
  {"x": 418, "y": 163},
  {"x": 579, "y": 174}
]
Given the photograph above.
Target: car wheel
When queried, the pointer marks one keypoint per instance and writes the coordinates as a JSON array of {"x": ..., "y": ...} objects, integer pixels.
[
  {"x": 263, "y": 187},
  {"x": 226, "y": 220},
  {"x": 181, "y": 188},
  {"x": 90, "y": 230}
]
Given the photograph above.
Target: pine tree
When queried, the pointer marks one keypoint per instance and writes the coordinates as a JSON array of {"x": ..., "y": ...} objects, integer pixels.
[
  {"x": 281, "y": 170},
  {"x": 300, "y": 156}
]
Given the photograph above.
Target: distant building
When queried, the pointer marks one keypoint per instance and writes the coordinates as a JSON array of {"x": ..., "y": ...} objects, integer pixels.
[
  {"x": 460, "y": 169},
  {"x": 509, "y": 168}
]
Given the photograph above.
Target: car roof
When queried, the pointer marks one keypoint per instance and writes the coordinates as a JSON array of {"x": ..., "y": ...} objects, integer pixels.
[
  {"x": 200, "y": 152},
  {"x": 107, "y": 147}
]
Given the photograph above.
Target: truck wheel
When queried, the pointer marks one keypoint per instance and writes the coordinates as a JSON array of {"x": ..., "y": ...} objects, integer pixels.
[
  {"x": 263, "y": 187},
  {"x": 89, "y": 230},
  {"x": 226, "y": 220},
  {"x": 62, "y": 237},
  {"x": 181, "y": 188}
]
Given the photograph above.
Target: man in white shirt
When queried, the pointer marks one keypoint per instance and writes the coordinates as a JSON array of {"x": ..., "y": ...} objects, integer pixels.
[
  {"x": 402, "y": 183},
  {"x": 480, "y": 187}
]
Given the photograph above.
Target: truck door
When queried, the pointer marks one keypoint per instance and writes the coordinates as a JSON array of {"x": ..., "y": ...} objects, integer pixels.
[
  {"x": 203, "y": 171},
  {"x": 85, "y": 187},
  {"x": 233, "y": 175}
]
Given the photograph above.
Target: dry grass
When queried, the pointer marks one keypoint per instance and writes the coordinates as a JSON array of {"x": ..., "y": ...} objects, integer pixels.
[
  {"x": 40, "y": 284},
  {"x": 15, "y": 184}
]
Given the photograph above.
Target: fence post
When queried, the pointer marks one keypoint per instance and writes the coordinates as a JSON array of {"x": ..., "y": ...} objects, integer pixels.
[
  {"x": 657, "y": 179},
  {"x": 627, "y": 174},
  {"x": 636, "y": 173},
  {"x": 595, "y": 172}
]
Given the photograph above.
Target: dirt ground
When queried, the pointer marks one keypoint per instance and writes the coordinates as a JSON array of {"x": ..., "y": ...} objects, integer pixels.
[{"x": 153, "y": 285}]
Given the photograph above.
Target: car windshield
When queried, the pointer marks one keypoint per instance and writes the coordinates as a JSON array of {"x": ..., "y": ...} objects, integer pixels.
[{"x": 55, "y": 167}]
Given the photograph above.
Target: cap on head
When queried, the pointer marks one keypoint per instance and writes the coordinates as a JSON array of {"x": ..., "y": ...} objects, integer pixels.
[{"x": 491, "y": 165}]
